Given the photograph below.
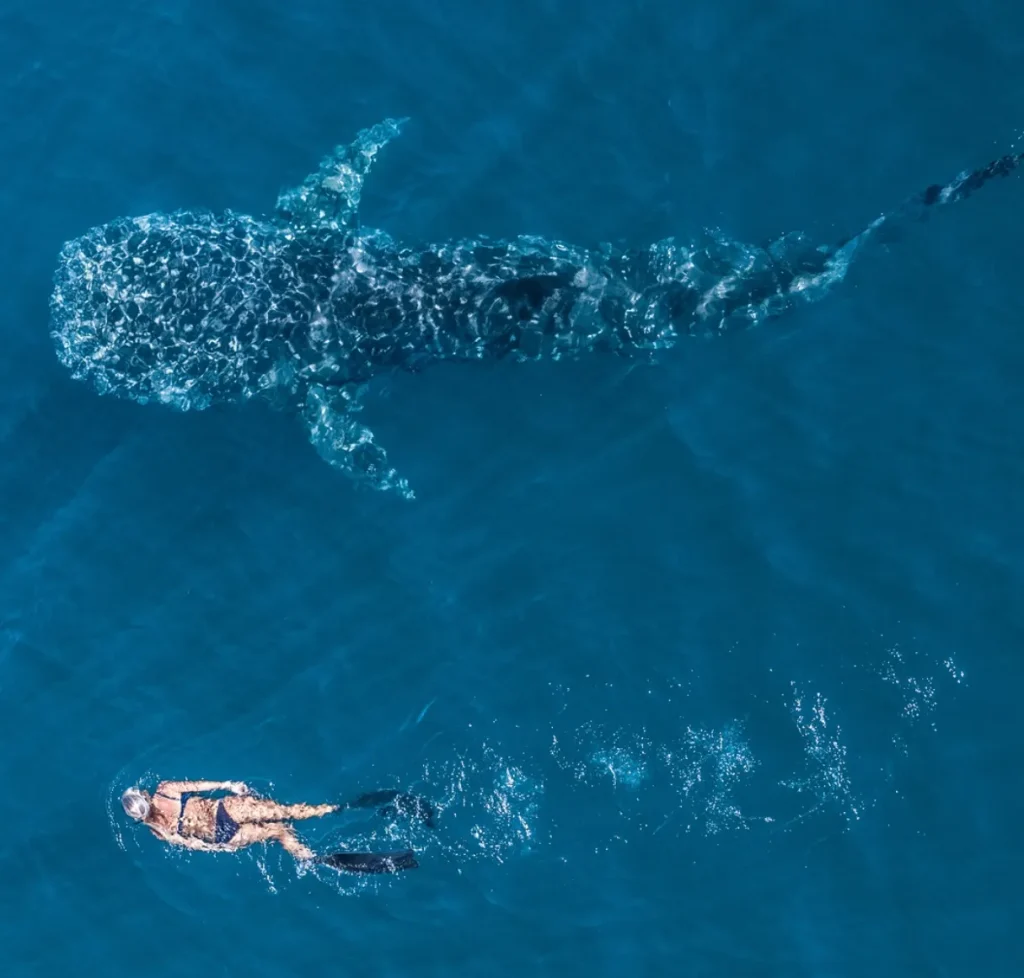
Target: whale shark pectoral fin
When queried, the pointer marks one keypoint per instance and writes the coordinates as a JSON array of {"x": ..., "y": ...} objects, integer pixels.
[
  {"x": 330, "y": 196},
  {"x": 345, "y": 443}
]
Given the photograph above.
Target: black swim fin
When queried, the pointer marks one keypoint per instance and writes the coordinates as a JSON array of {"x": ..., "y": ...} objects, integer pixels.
[
  {"x": 391, "y": 803},
  {"x": 369, "y": 862}
]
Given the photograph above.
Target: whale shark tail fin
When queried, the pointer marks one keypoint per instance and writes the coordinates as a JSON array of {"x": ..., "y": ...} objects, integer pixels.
[
  {"x": 918, "y": 206},
  {"x": 346, "y": 444},
  {"x": 969, "y": 181},
  {"x": 330, "y": 196},
  {"x": 798, "y": 272}
]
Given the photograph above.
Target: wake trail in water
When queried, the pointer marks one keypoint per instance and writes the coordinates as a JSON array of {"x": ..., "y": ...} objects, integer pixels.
[{"x": 495, "y": 805}]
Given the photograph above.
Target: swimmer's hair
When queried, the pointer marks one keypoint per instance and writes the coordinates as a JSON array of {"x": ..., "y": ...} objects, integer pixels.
[{"x": 136, "y": 804}]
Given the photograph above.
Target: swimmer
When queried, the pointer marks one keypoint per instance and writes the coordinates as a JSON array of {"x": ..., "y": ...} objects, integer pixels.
[{"x": 179, "y": 814}]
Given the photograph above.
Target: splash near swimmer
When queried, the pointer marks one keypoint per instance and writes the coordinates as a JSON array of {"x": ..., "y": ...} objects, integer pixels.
[{"x": 305, "y": 306}]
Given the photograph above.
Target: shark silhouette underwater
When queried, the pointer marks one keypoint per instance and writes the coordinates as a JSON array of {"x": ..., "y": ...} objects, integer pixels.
[{"x": 305, "y": 307}]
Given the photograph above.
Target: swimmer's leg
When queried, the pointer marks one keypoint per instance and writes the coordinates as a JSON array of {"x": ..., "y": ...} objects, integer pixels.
[
  {"x": 369, "y": 862},
  {"x": 246, "y": 808},
  {"x": 396, "y": 803},
  {"x": 348, "y": 862},
  {"x": 251, "y": 833}
]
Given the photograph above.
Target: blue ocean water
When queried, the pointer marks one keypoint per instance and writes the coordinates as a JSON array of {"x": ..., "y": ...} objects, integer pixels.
[{"x": 713, "y": 665}]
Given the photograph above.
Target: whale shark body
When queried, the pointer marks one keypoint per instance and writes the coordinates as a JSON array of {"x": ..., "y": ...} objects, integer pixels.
[{"x": 305, "y": 307}]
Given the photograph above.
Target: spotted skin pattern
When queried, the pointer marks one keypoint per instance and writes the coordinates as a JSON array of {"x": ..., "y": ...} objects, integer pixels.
[{"x": 192, "y": 309}]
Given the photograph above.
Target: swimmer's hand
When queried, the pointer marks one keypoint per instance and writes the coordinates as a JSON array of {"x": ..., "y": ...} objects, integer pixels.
[{"x": 173, "y": 789}]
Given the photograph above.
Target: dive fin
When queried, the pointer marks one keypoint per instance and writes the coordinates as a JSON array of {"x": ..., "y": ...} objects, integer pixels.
[
  {"x": 369, "y": 862},
  {"x": 330, "y": 196},
  {"x": 344, "y": 443},
  {"x": 397, "y": 803}
]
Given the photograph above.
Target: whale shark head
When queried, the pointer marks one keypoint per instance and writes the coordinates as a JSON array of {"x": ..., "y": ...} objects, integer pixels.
[
  {"x": 157, "y": 308},
  {"x": 190, "y": 309}
]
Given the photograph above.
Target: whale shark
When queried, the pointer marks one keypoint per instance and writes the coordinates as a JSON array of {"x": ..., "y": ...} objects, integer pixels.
[{"x": 305, "y": 306}]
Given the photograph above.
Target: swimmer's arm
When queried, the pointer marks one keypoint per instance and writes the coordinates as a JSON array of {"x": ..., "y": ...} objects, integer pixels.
[
  {"x": 173, "y": 789},
  {"x": 186, "y": 842},
  {"x": 198, "y": 844}
]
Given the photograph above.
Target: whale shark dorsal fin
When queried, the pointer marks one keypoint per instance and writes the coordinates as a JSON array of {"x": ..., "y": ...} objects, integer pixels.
[
  {"x": 346, "y": 444},
  {"x": 330, "y": 196}
]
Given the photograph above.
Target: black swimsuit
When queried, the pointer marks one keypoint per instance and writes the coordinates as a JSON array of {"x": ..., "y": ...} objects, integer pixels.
[{"x": 224, "y": 826}]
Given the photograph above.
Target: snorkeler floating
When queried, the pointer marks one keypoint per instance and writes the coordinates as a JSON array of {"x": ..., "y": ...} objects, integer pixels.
[
  {"x": 304, "y": 306},
  {"x": 177, "y": 814}
]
